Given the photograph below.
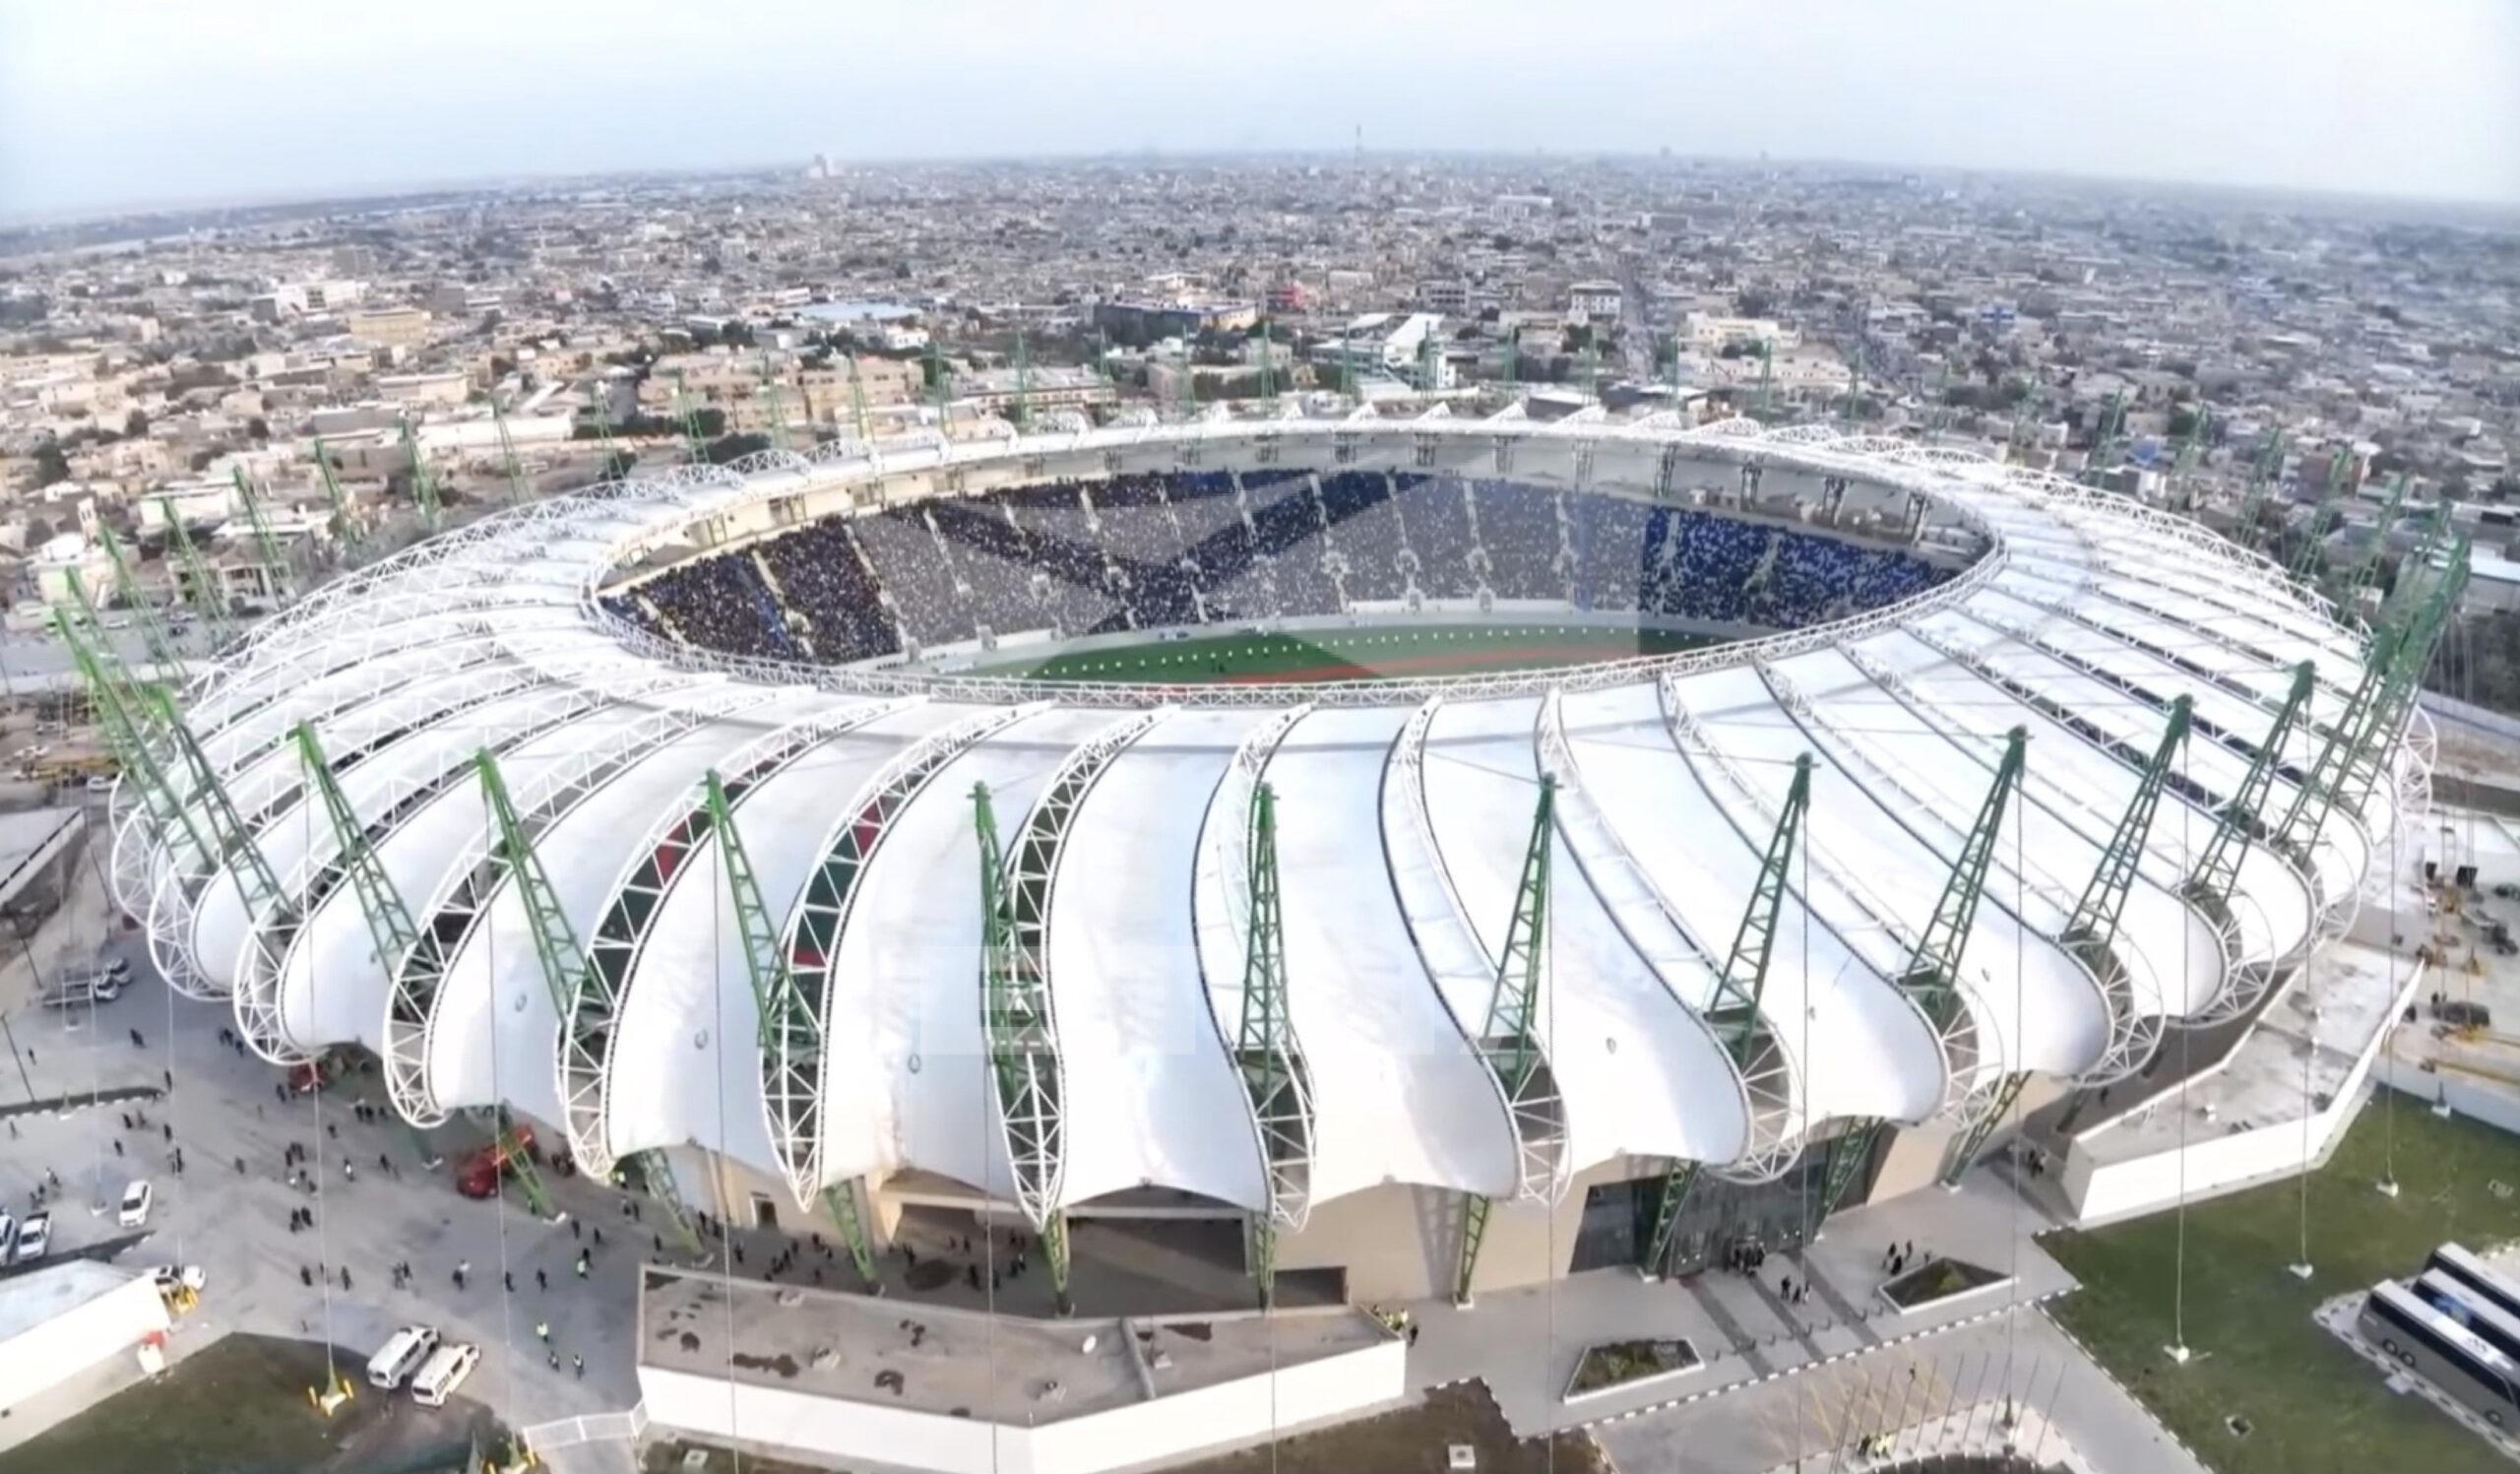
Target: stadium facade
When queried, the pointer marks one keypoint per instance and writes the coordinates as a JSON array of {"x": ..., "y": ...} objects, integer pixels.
[{"x": 1321, "y": 1018}]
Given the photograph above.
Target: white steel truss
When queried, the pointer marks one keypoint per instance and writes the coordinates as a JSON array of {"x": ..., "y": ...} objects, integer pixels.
[
  {"x": 1033, "y": 1120},
  {"x": 1764, "y": 1069},
  {"x": 1282, "y": 1119},
  {"x": 810, "y": 940},
  {"x": 654, "y": 867},
  {"x": 1534, "y": 1110},
  {"x": 1870, "y": 927},
  {"x": 481, "y": 870}
]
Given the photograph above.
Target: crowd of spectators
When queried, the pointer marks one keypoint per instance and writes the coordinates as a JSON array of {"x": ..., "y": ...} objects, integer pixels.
[{"x": 1148, "y": 552}]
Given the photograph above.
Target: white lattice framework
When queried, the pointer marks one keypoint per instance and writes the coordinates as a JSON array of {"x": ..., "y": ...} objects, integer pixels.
[
  {"x": 1533, "y": 1108},
  {"x": 810, "y": 940},
  {"x": 1871, "y": 926},
  {"x": 481, "y": 870},
  {"x": 1281, "y": 1121},
  {"x": 1020, "y": 1006},
  {"x": 1764, "y": 1067}
]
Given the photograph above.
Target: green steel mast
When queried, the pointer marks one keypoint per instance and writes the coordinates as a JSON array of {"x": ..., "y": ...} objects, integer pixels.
[
  {"x": 2261, "y": 482},
  {"x": 207, "y": 597},
  {"x": 2090, "y": 933},
  {"x": 507, "y": 454},
  {"x": 788, "y": 1030},
  {"x": 152, "y": 631},
  {"x": 423, "y": 481},
  {"x": 390, "y": 927},
  {"x": 125, "y": 733},
  {"x": 2305, "y": 564},
  {"x": 1739, "y": 987},
  {"x": 2218, "y": 871},
  {"x": 694, "y": 445},
  {"x": 344, "y": 526},
  {"x": 2366, "y": 567},
  {"x": 274, "y": 561},
  {"x": 1510, "y": 1038},
  {"x": 778, "y": 406},
  {"x": 857, "y": 401},
  {"x": 1022, "y": 1058},
  {"x": 1931, "y": 977},
  {"x": 1273, "y": 1074}
]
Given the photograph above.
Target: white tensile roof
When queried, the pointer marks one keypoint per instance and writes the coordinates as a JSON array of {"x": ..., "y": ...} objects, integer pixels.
[{"x": 1404, "y": 819}]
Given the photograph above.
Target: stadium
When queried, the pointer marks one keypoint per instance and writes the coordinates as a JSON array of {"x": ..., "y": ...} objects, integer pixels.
[{"x": 1394, "y": 858}]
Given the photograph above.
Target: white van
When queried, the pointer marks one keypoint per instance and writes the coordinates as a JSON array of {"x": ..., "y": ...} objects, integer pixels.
[
  {"x": 447, "y": 1368},
  {"x": 401, "y": 1356}
]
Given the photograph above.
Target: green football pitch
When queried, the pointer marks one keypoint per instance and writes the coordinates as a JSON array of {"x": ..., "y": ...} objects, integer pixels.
[{"x": 1365, "y": 653}]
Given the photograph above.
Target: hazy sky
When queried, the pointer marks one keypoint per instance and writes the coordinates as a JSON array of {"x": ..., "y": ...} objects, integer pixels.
[{"x": 105, "y": 102}]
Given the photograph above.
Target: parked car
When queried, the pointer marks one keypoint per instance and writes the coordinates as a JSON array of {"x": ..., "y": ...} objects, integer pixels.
[
  {"x": 136, "y": 1201},
  {"x": 170, "y": 1276},
  {"x": 34, "y": 1236}
]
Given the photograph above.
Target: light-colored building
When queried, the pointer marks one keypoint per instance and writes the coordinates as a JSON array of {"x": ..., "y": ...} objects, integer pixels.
[
  {"x": 449, "y": 388},
  {"x": 999, "y": 390},
  {"x": 388, "y": 327},
  {"x": 58, "y": 1320},
  {"x": 1593, "y": 300},
  {"x": 1709, "y": 332}
]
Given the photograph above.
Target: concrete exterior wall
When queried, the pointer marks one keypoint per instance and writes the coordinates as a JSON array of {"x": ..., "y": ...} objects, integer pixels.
[
  {"x": 1241, "y": 1411},
  {"x": 2102, "y": 1192},
  {"x": 70, "y": 1344},
  {"x": 1402, "y": 1241}
]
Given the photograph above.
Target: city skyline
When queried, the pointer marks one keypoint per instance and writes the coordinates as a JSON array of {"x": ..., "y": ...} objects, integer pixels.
[{"x": 2319, "y": 98}]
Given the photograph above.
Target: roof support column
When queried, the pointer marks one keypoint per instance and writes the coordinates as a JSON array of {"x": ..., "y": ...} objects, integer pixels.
[
  {"x": 1510, "y": 1041},
  {"x": 1739, "y": 986}
]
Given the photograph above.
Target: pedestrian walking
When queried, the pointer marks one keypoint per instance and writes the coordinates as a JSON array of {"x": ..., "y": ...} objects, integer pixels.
[
  {"x": 306, "y": 1276},
  {"x": 542, "y": 1281},
  {"x": 598, "y": 1236},
  {"x": 582, "y": 1263},
  {"x": 554, "y": 1357},
  {"x": 117, "y": 1146},
  {"x": 170, "y": 1129},
  {"x": 578, "y": 1364},
  {"x": 577, "y": 1229},
  {"x": 383, "y": 1163},
  {"x": 346, "y": 1277},
  {"x": 350, "y": 1174},
  {"x": 137, "y": 1042},
  {"x": 240, "y": 1167},
  {"x": 542, "y": 1331}
]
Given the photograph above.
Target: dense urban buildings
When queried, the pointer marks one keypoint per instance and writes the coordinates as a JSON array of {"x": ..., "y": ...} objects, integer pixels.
[{"x": 1191, "y": 768}]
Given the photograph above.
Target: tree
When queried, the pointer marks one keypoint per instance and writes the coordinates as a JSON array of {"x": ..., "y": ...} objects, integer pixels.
[
  {"x": 2182, "y": 422},
  {"x": 51, "y": 464},
  {"x": 258, "y": 429},
  {"x": 135, "y": 424},
  {"x": 727, "y": 448}
]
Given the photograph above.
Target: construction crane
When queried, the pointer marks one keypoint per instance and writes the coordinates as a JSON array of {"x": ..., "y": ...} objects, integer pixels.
[
  {"x": 424, "y": 481},
  {"x": 206, "y": 596},
  {"x": 1932, "y": 976},
  {"x": 390, "y": 931},
  {"x": 1509, "y": 1040},
  {"x": 788, "y": 1030},
  {"x": 1739, "y": 986},
  {"x": 276, "y": 565},
  {"x": 556, "y": 948},
  {"x": 2091, "y": 931}
]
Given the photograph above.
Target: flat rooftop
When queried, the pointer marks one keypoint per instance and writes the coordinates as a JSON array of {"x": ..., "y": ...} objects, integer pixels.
[
  {"x": 999, "y": 1369},
  {"x": 28, "y": 1301},
  {"x": 2305, "y": 1042}
]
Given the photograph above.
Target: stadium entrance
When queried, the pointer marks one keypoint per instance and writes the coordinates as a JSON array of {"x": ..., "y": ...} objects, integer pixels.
[{"x": 1719, "y": 1217}]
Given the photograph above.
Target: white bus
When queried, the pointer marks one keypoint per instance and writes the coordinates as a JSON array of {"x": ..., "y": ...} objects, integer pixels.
[
  {"x": 2483, "y": 1280},
  {"x": 445, "y": 1370},
  {"x": 401, "y": 1356},
  {"x": 2443, "y": 1352}
]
